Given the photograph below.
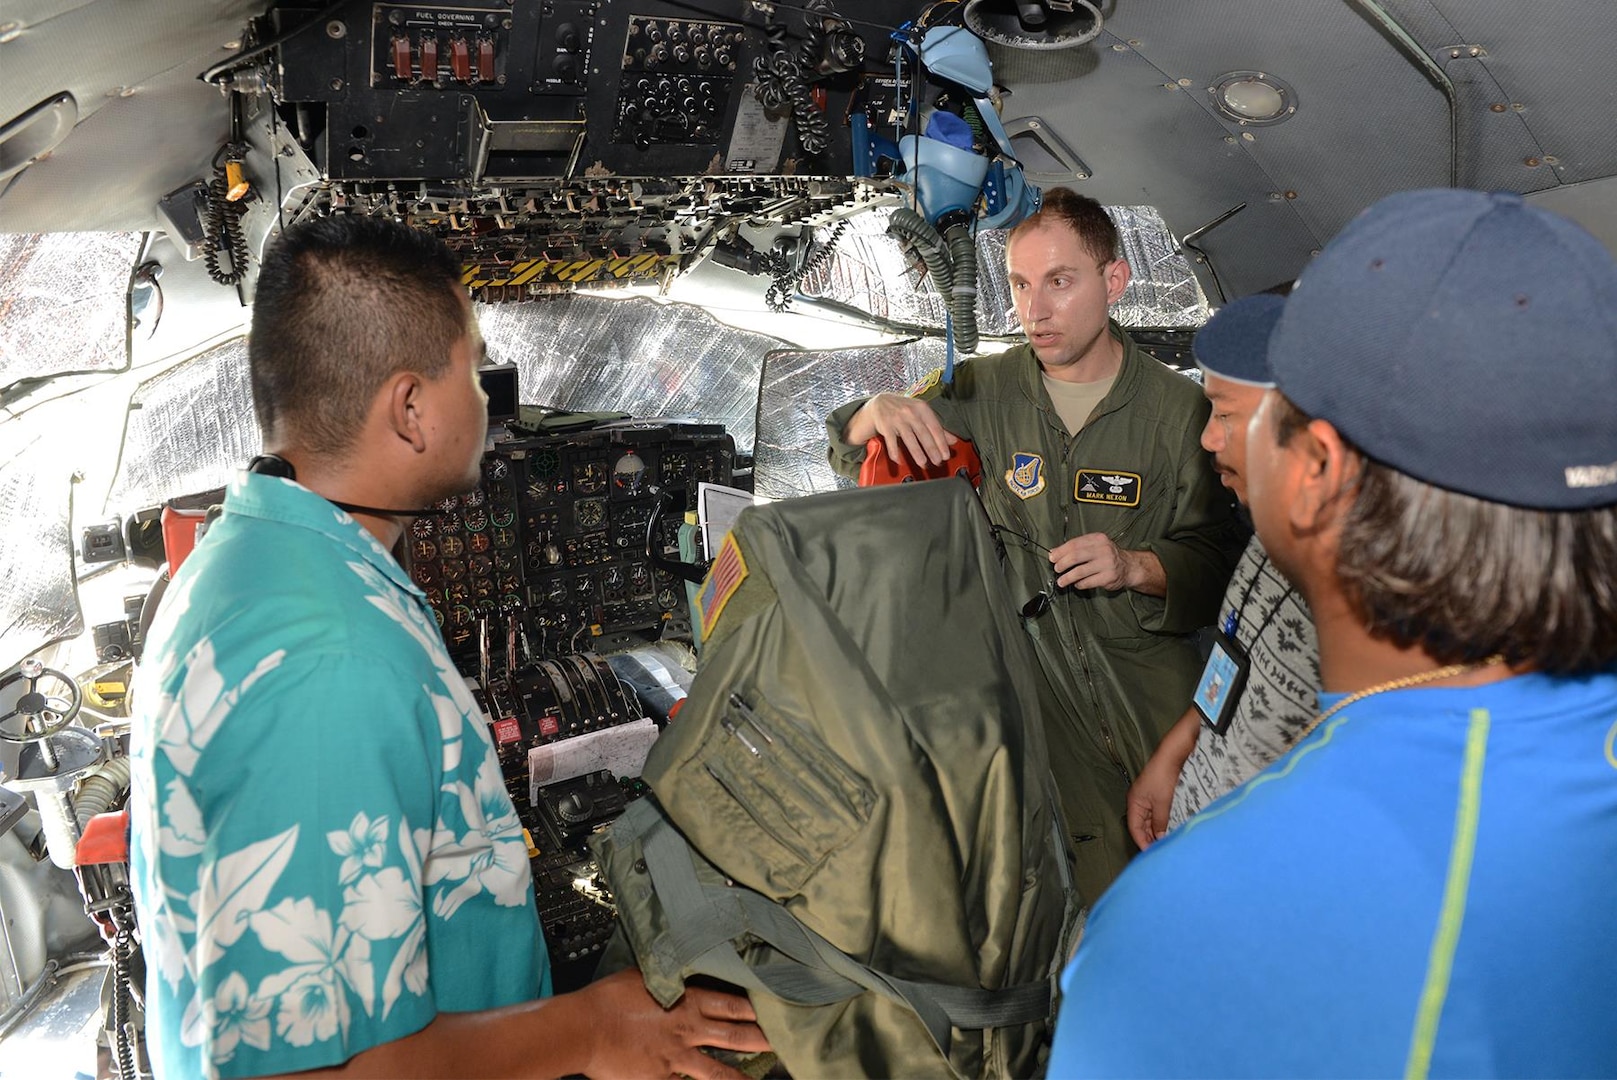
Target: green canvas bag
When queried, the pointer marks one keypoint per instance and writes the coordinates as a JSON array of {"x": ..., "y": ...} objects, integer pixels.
[{"x": 853, "y": 816}]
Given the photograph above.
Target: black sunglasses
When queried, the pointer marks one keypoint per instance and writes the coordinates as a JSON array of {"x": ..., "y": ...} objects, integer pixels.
[{"x": 1041, "y": 600}]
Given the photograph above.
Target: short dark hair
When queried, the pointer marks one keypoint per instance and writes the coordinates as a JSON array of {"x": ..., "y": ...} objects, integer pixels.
[
  {"x": 1465, "y": 579},
  {"x": 1083, "y": 215},
  {"x": 342, "y": 303}
]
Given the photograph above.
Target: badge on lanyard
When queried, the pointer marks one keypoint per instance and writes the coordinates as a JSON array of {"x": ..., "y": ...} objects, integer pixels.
[{"x": 1223, "y": 678}]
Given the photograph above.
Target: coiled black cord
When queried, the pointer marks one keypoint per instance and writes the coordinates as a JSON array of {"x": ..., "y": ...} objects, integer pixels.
[
  {"x": 778, "y": 296},
  {"x": 222, "y": 230},
  {"x": 122, "y": 946},
  {"x": 831, "y": 45},
  {"x": 781, "y": 84}
]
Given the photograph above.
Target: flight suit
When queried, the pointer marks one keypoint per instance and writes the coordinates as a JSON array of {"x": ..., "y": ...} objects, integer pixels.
[{"x": 1118, "y": 667}]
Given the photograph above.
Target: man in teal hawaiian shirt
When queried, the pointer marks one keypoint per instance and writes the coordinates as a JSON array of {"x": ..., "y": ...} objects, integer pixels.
[{"x": 327, "y": 867}]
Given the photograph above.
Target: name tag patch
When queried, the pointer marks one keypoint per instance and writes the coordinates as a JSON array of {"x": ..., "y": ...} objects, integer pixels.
[
  {"x": 1108, "y": 486},
  {"x": 1025, "y": 477}
]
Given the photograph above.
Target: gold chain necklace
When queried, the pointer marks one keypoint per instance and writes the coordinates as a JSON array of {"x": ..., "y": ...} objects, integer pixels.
[{"x": 1397, "y": 684}]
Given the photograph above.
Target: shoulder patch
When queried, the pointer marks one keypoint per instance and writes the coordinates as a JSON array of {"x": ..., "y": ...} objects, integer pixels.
[
  {"x": 925, "y": 383},
  {"x": 1108, "y": 487},
  {"x": 725, "y": 576},
  {"x": 1025, "y": 477}
]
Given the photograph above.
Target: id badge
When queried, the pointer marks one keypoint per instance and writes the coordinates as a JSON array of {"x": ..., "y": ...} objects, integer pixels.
[{"x": 1222, "y": 681}]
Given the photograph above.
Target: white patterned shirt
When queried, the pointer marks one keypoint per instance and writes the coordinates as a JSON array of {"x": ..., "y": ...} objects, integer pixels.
[
  {"x": 1275, "y": 628},
  {"x": 324, "y": 852}
]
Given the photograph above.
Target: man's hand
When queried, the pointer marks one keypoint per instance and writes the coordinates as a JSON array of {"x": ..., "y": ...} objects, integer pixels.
[
  {"x": 902, "y": 421},
  {"x": 1149, "y": 799},
  {"x": 638, "y": 1037},
  {"x": 1094, "y": 561}
]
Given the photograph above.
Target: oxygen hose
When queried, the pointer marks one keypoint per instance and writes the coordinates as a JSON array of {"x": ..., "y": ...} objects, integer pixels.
[
  {"x": 963, "y": 295},
  {"x": 906, "y": 224},
  {"x": 100, "y": 789}
]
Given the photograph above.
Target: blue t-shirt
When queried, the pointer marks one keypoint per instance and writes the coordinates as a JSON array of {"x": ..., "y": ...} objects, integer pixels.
[
  {"x": 1424, "y": 886},
  {"x": 324, "y": 852}
]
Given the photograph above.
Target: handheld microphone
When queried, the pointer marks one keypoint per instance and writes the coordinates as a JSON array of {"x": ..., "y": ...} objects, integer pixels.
[{"x": 276, "y": 465}]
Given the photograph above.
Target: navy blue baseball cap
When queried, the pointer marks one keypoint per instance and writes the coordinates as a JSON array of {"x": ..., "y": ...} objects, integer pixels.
[
  {"x": 1234, "y": 344},
  {"x": 1466, "y": 339}
]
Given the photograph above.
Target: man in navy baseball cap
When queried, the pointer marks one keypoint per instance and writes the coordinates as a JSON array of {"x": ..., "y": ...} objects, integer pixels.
[{"x": 1422, "y": 886}]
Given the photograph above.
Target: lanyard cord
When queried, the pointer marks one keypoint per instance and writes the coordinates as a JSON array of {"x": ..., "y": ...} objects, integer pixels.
[{"x": 1232, "y": 621}]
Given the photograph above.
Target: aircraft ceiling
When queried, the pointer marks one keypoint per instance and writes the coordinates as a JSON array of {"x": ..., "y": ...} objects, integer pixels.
[{"x": 1387, "y": 96}]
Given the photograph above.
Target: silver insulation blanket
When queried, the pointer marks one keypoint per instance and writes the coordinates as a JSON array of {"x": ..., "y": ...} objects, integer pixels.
[
  {"x": 188, "y": 430},
  {"x": 638, "y": 356},
  {"x": 62, "y": 302},
  {"x": 40, "y": 602}
]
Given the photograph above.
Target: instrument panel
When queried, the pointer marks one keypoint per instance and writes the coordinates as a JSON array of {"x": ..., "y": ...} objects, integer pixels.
[{"x": 550, "y": 551}]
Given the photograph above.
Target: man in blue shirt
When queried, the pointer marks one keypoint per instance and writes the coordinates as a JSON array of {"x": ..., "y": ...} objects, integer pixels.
[
  {"x": 1423, "y": 885},
  {"x": 327, "y": 867}
]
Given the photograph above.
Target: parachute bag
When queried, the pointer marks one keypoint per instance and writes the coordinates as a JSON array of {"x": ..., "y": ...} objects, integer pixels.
[{"x": 853, "y": 817}]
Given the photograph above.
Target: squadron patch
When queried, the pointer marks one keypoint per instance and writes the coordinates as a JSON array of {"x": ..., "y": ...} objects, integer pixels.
[
  {"x": 925, "y": 383},
  {"x": 1107, "y": 486},
  {"x": 1025, "y": 477},
  {"x": 729, "y": 570}
]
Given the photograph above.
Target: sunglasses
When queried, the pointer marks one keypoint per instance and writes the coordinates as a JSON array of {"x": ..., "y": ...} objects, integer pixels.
[{"x": 1041, "y": 600}]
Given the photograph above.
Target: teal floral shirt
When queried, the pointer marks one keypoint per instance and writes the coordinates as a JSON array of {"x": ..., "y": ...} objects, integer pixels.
[{"x": 324, "y": 853}]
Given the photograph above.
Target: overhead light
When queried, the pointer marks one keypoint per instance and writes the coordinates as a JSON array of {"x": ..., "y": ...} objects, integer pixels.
[{"x": 1253, "y": 97}]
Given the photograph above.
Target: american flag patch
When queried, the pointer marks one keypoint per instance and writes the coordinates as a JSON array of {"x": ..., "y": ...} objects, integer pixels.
[{"x": 729, "y": 570}]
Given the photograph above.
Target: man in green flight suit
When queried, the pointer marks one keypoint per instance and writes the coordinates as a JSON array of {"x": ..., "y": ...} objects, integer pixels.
[{"x": 1115, "y": 525}]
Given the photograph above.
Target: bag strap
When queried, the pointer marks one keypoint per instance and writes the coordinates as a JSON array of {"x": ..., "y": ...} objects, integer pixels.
[{"x": 705, "y": 921}]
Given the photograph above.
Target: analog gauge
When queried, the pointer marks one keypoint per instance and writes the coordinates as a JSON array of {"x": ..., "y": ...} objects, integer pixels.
[
  {"x": 461, "y": 616},
  {"x": 438, "y": 617},
  {"x": 474, "y": 498},
  {"x": 482, "y": 588},
  {"x": 666, "y": 599},
  {"x": 629, "y": 473},
  {"x": 452, "y": 547},
  {"x": 505, "y": 561},
  {"x": 456, "y": 592},
  {"x": 502, "y": 516},
  {"x": 480, "y": 565},
  {"x": 584, "y": 587},
  {"x": 424, "y": 527},
  {"x": 503, "y": 536},
  {"x": 674, "y": 466},
  {"x": 539, "y": 490},
  {"x": 590, "y": 477},
  {"x": 613, "y": 581},
  {"x": 479, "y": 541},
  {"x": 486, "y": 605},
  {"x": 449, "y": 523},
  {"x": 423, "y": 549},
  {"x": 509, "y": 585},
  {"x": 590, "y": 513},
  {"x": 556, "y": 593},
  {"x": 496, "y": 468},
  {"x": 453, "y": 569},
  {"x": 640, "y": 578},
  {"x": 435, "y": 597},
  {"x": 447, "y": 506},
  {"x": 426, "y": 575},
  {"x": 476, "y": 519}
]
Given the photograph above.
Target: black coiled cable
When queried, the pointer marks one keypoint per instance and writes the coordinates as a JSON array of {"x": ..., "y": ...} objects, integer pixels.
[
  {"x": 778, "y": 296},
  {"x": 781, "y": 84},
  {"x": 830, "y": 45},
  {"x": 122, "y": 946},
  {"x": 222, "y": 230}
]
